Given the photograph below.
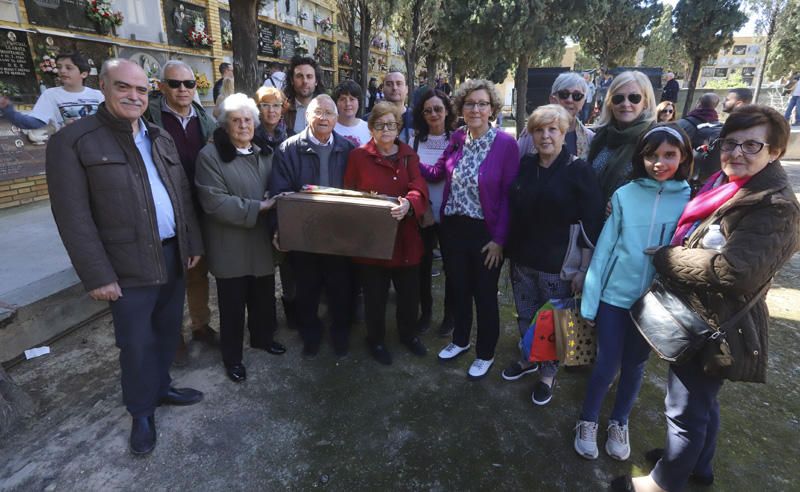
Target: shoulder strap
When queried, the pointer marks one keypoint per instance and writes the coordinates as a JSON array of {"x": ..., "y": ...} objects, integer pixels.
[
  {"x": 416, "y": 143},
  {"x": 747, "y": 307}
]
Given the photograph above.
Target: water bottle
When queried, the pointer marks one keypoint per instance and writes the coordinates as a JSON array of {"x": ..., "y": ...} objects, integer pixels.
[{"x": 713, "y": 239}]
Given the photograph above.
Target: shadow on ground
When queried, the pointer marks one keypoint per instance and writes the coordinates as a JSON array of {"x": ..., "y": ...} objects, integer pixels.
[{"x": 351, "y": 424}]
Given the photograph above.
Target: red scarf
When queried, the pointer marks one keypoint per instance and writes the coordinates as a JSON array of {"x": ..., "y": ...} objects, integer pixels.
[{"x": 711, "y": 197}]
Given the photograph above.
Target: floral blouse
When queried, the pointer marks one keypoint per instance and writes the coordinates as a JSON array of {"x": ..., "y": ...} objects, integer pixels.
[{"x": 464, "y": 198}]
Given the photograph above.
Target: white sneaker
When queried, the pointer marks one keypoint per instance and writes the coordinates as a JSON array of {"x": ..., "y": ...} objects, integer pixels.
[
  {"x": 452, "y": 351},
  {"x": 586, "y": 439},
  {"x": 479, "y": 368},
  {"x": 618, "y": 446}
]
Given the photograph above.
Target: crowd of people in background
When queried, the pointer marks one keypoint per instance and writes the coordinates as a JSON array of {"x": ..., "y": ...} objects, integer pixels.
[{"x": 151, "y": 193}]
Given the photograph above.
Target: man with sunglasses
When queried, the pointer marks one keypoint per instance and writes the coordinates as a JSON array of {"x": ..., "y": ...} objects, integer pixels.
[{"x": 176, "y": 111}]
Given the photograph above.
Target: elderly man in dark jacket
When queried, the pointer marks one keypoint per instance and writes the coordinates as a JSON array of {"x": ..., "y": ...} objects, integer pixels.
[
  {"x": 190, "y": 127},
  {"x": 123, "y": 207},
  {"x": 317, "y": 156}
]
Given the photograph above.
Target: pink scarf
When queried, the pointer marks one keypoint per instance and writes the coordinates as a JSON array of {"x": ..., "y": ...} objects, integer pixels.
[{"x": 711, "y": 197}]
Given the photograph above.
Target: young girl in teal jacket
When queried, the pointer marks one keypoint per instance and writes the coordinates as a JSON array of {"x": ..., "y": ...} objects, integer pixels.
[{"x": 644, "y": 214}]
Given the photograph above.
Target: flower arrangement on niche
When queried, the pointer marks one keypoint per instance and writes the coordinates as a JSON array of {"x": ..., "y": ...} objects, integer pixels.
[
  {"x": 324, "y": 24},
  {"x": 300, "y": 45},
  {"x": 197, "y": 36},
  {"x": 203, "y": 84},
  {"x": 227, "y": 38},
  {"x": 105, "y": 19}
]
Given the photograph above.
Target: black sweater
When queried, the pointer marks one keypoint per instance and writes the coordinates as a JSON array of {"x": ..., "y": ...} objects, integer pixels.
[{"x": 544, "y": 202}]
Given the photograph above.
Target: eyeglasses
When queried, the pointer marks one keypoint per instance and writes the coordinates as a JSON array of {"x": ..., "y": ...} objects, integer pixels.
[
  {"x": 324, "y": 114},
  {"x": 391, "y": 126},
  {"x": 666, "y": 110},
  {"x": 270, "y": 105},
  {"x": 564, "y": 95},
  {"x": 617, "y": 99},
  {"x": 435, "y": 109},
  {"x": 480, "y": 105},
  {"x": 174, "y": 84},
  {"x": 748, "y": 146}
]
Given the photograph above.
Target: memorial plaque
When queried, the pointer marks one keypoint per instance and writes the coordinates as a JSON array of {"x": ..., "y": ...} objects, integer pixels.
[
  {"x": 95, "y": 53},
  {"x": 325, "y": 53},
  {"x": 65, "y": 14},
  {"x": 327, "y": 79},
  {"x": 17, "y": 75},
  {"x": 267, "y": 34},
  {"x": 226, "y": 29},
  {"x": 180, "y": 17},
  {"x": 19, "y": 157},
  {"x": 287, "y": 37}
]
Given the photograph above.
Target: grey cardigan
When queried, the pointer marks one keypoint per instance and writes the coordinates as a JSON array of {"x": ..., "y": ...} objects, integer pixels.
[{"x": 236, "y": 236}]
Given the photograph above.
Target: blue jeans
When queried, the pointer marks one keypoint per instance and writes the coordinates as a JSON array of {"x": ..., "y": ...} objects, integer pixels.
[
  {"x": 692, "y": 412},
  {"x": 620, "y": 348},
  {"x": 793, "y": 106}
]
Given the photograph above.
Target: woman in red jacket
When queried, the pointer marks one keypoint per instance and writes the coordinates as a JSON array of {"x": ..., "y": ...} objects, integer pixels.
[{"x": 386, "y": 165}]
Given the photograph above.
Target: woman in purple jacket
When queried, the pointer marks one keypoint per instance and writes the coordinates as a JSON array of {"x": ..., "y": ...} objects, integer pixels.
[{"x": 478, "y": 166}]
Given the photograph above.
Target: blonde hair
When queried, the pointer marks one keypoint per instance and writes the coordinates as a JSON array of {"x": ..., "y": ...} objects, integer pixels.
[
  {"x": 663, "y": 105},
  {"x": 227, "y": 88},
  {"x": 648, "y": 98},
  {"x": 382, "y": 109},
  {"x": 267, "y": 92},
  {"x": 473, "y": 85},
  {"x": 544, "y": 115}
]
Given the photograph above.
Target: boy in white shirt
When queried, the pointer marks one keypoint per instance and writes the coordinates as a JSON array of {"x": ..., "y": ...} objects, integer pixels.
[{"x": 59, "y": 105}]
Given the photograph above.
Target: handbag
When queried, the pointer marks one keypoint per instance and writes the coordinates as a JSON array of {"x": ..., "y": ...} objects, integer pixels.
[
  {"x": 573, "y": 258},
  {"x": 576, "y": 339},
  {"x": 673, "y": 329}
]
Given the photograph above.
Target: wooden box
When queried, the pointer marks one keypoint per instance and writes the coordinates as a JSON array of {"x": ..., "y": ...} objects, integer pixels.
[{"x": 344, "y": 223}]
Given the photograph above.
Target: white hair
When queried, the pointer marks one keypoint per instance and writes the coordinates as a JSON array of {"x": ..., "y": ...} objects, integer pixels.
[
  {"x": 569, "y": 79},
  {"x": 176, "y": 64},
  {"x": 237, "y": 102},
  {"x": 312, "y": 106}
]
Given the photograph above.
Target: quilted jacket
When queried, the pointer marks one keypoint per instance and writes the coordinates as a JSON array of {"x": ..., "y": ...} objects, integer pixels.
[
  {"x": 103, "y": 207},
  {"x": 761, "y": 224}
]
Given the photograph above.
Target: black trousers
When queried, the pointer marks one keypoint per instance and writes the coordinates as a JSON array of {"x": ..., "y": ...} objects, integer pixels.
[
  {"x": 375, "y": 282},
  {"x": 462, "y": 239},
  {"x": 147, "y": 322},
  {"x": 313, "y": 273},
  {"x": 256, "y": 295},
  {"x": 430, "y": 235}
]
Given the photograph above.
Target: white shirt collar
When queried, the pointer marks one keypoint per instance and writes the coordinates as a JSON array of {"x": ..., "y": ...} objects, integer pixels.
[
  {"x": 316, "y": 141},
  {"x": 181, "y": 118}
]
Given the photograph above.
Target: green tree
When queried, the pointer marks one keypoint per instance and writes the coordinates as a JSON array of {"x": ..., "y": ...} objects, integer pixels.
[
  {"x": 704, "y": 27},
  {"x": 611, "y": 31},
  {"x": 767, "y": 14},
  {"x": 662, "y": 50},
  {"x": 784, "y": 57},
  {"x": 414, "y": 21},
  {"x": 360, "y": 19}
]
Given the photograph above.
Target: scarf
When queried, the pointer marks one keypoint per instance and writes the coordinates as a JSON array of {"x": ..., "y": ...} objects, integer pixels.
[
  {"x": 711, "y": 197},
  {"x": 622, "y": 143},
  {"x": 706, "y": 115}
]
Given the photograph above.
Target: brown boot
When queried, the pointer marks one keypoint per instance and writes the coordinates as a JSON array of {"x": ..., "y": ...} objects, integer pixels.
[{"x": 182, "y": 354}]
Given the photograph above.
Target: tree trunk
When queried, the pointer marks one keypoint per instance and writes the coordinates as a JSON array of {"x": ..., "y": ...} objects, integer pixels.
[
  {"x": 521, "y": 85},
  {"x": 687, "y": 106},
  {"x": 366, "y": 24},
  {"x": 430, "y": 63},
  {"x": 770, "y": 35},
  {"x": 244, "y": 24},
  {"x": 411, "y": 67},
  {"x": 14, "y": 403}
]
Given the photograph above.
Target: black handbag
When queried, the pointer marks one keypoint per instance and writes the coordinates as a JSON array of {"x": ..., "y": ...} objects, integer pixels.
[{"x": 672, "y": 328}]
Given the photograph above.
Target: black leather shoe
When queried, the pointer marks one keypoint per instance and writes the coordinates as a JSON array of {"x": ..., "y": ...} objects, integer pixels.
[
  {"x": 181, "y": 397},
  {"x": 380, "y": 354},
  {"x": 236, "y": 373},
  {"x": 416, "y": 347},
  {"x": 655, "y": 454},
  {"x": 143, "y": 435},
  {"x": 276, "y": 348}
]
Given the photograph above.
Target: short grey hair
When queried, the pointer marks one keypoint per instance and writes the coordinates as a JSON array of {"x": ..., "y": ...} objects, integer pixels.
[
  {"x": 312, "y": 106},
  {"x": 569, "y": 79},
  {"x": 237, "y": 102},
  {"x": 177, "y": 64}
]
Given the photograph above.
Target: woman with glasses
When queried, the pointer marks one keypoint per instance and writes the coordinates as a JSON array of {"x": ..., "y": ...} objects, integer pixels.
[
  {"x": 347, "y": 96},
  {"x": 628, "y": 112},
  {"x": 387, "y": 166},
  {"x": 272, "y": 130},
  {"x": 731, "y": 239},
  {"x": 232, "y": 179},
  {"x": 665, "y": 112},
  {"x": 569, "y": 91},
  {"x": 434, "y": 120},
  {"x": 478, "y": 166}
]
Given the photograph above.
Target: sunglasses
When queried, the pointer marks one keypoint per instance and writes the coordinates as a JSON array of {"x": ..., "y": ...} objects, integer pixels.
[
  {"x": 665, "y": 110},
  {"x": 435, "y": 109},
  {"x": 174, "y": 84},
  {"x": 620, "y": 98},
  {"x": 564, "y": 95}
]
